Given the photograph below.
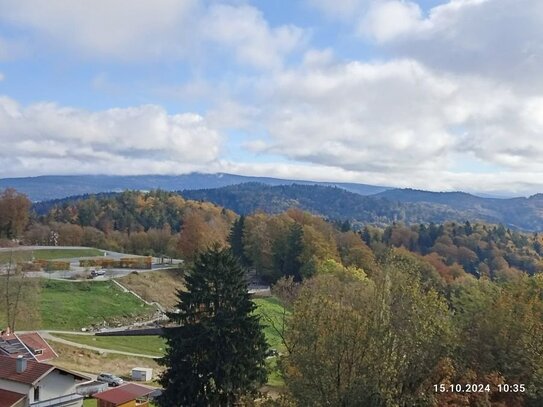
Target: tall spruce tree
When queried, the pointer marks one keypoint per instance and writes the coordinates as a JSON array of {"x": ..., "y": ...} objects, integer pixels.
[
  {"x": 217, "y": 353},
  {"x": 236, "y": 240}
]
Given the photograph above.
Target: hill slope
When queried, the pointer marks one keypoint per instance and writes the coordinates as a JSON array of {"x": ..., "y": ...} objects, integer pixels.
[
  {"x": 56, "y": 187},
  {"x": 409, "y": 206}
]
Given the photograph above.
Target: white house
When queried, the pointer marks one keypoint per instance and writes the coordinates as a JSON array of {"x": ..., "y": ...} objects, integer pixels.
[{"x": 28, "y": 383}]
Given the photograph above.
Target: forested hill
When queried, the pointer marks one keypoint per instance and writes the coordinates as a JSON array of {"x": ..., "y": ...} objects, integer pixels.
[
  {"x": 58, "y": 187},
  {"x": 409, "y": 206}
]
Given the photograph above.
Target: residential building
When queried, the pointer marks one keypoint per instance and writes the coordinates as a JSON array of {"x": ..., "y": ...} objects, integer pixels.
[
  {"x": 30, "y": 345},
  {"x": 28, "y": 383}
]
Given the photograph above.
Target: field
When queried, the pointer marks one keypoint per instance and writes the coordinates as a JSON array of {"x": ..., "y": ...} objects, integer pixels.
[
  {"x": 69, "y": 305},
  {"x": 145, "y": 345},
  {"x": 47, "y": 254},
  {"x": 66, "y": 305},
  {"x": 154, "y": 346},
  {"x": 159, "y": 286},
  {"x": 88, "y": 361},
  {"x": 271, "y": 313}
]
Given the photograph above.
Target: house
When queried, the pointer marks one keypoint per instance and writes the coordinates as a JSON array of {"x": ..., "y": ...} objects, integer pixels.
[
  {"x": 30, "y": 345},
  {"x": 29, "y": 383},
  {"x": 127, "y": 395}
]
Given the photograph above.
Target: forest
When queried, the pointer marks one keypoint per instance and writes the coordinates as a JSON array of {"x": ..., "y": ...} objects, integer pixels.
[{"x": 375, "y": 315}]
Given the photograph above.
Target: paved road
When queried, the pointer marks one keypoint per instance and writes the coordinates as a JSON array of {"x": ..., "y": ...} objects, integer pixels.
[
  {"x": 76, "y": 271},
  {"x": 49, "y": 336}
]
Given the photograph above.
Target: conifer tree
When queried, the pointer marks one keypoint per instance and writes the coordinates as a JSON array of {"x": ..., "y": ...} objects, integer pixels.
[
  {"x": 217, "y": 353},
  {"x": 236, "y": 240}
]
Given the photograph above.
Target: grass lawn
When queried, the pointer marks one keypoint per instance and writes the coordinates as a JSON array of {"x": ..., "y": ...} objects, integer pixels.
[
  {"x": 48, "y": 254},
  {"x": 271, "y": 311},
  {"x": 72, "y": 305},
  {"x": 145, "y": 345},
  {"x": 160, "y": 286},
  {"x": 90, "y": 403}
]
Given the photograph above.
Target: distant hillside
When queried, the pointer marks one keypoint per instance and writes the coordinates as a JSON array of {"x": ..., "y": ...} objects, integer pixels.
[
  {"x": 58, "y": 186},
  {"x": 406, "y": 205}
]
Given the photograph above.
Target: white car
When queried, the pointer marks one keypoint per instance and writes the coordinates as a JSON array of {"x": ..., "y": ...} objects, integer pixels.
[
  {"x": 97, "y": 273},
  {"x": 110, "y": 379}
]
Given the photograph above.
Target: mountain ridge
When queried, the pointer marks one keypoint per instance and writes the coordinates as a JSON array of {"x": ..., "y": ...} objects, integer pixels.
[{"x": 49, "y": 187}]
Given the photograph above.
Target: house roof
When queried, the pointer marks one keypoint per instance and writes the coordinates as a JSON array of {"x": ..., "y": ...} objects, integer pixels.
[
  {"x": 34, "y": 371},
  {"x": 11, "y": 345},
  {"x": 124, "y": 393},
  {"x": 34, "y": 342},
  {"x": 9, "y": 398}
]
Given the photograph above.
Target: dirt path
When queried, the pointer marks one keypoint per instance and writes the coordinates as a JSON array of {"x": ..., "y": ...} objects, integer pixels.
[{"x": 49, "y": 336}]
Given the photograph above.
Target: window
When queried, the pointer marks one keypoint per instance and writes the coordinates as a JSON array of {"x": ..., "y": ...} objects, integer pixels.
[
  {"x": 37, "y": 393},
  {"x": 38, "y": 352}
]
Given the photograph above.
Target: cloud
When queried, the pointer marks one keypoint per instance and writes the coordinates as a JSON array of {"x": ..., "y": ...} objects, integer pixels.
[
  {"x": 150, "y": 30},
  {"x": 2, "y": 77},
  {"x": 47, "y": 138},
  {"x": 387, "y": 20},
  {"x": 244, "y": 29},
  {"x": 497, "y": 38},
  {"x": 118, "y": 28},
  {"x": 397, "y": 123}
]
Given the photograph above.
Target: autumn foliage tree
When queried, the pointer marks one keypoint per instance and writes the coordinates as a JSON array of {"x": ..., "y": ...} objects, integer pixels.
[{"x": 14, "y": 213}]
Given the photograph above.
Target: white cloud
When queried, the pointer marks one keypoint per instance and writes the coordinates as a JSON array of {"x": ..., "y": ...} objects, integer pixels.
[
  {"x": 398, "y": 123},
  {"x": 47, "y": 138},
  {"x": 147, "y": 29},
  {"x": 244, "y": 29},
  {"x": 491, "y": 38},
  {"x": 388, "y": 20},
  {"x": 113, "y": 28}
]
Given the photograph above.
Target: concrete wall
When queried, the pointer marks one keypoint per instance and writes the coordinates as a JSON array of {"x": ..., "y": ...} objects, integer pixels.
[{"x": 56, "y": 384}]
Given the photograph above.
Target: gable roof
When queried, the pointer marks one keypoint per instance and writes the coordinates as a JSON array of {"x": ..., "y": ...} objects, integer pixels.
[
  {"x": 10, "y": 398},
  {"x": 34, "y": 370},
  {"x": 11, "y": 346},
  {"x": 35, "y": 342},
  {"x": 124, "y": 393},
  {"x": 33, "y": 373}
]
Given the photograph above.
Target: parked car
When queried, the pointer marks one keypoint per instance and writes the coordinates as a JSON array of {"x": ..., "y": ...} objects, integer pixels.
[
  {"x": 110, "y": 379},
  {"x": 96, "y": 273}
]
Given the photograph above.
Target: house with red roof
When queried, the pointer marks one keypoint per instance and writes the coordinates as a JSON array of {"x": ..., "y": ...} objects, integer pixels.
[
  {"x": 29, "y": 383},
  {"x": 127, "y": 395},
  {"x": 30, "y": 345}
]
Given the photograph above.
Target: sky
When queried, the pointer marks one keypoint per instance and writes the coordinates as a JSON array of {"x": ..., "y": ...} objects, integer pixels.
[{"x": 430, "y": 94}]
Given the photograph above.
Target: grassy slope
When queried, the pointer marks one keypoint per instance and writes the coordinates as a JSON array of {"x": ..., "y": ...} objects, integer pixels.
[
  {"x": 88, "y": 361},
  {"x": 68, "y": 305},
  {"x": 271, "y": 310},
  {"x": 159, "y": 286},
  {"x": 145, "y": 345},
  {"x": 48, "y": 254}
]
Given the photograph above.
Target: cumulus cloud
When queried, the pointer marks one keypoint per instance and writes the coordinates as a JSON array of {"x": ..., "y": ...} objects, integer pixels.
[
  {"x": 47, "y": 138},
  {"x": 244, "y": 29},
  {"x": 118, "y": 28},
  {"x": 143, "y": 29},
  {"x": 400, "y": 123},
  {"x": 498, "y": 38}
]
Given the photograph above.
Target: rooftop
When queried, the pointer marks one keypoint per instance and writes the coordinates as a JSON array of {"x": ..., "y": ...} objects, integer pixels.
[
  {"x": 123, "y": 394},
  {"x": 9, "y": 398}
]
